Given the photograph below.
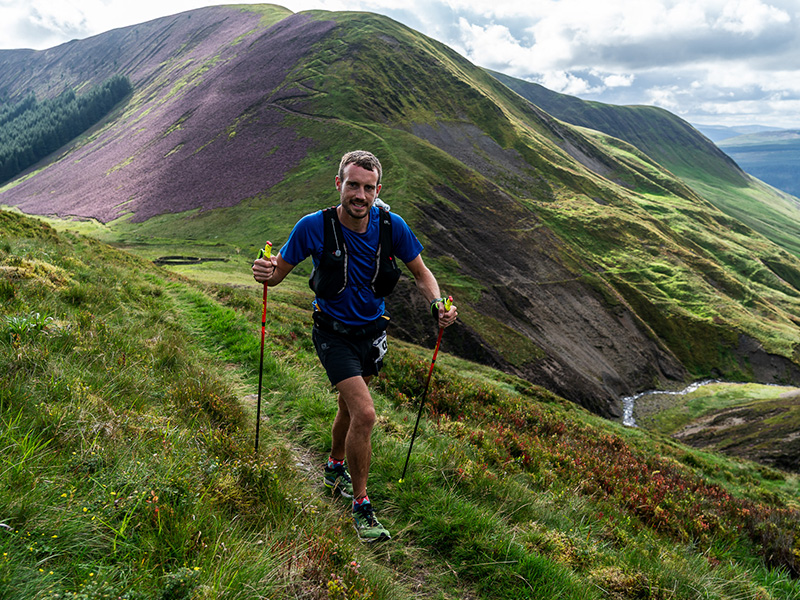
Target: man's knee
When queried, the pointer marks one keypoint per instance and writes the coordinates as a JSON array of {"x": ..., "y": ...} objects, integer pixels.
[
  {"x": 365, "y": 417},
  {"x": 362, "y": 411}
]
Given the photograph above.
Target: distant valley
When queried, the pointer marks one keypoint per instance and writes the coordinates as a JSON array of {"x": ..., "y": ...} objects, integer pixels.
[
  {"x": 771, "y": 156},
  {"x": 719, "y": 133}
]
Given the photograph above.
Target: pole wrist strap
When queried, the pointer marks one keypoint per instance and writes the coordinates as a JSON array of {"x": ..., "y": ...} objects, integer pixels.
[{"x": 435, "y": 307}]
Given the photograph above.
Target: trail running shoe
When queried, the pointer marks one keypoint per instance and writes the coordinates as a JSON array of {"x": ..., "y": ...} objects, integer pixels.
[
  {"x": 338, "y": 480},
  {"x": 367, "y": 526}
]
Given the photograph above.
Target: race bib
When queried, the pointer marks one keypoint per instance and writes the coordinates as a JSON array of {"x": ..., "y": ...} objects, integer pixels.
[{"x": 381, "y": 346}]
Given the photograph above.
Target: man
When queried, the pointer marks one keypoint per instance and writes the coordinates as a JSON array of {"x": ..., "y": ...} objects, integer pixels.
[{"x": 351, "y": 276}]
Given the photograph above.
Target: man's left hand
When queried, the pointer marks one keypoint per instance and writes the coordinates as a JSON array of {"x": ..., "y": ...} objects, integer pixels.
[{"x": 447, "y": 317}]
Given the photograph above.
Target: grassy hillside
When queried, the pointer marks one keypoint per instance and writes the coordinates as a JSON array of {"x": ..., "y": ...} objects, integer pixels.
[
  {"x": 451, "y": 139},
  {"x": 126, "y": 418},
  {"x": 658, "y": 133},
  {"x": 689, "y": 155}
]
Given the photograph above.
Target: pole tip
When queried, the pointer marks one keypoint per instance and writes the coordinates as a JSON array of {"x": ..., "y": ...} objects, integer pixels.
[{"x": 400, "y": 481}]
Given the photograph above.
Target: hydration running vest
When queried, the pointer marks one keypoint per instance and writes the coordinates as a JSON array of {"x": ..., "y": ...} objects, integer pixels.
[{"x": 329, "y": 277}]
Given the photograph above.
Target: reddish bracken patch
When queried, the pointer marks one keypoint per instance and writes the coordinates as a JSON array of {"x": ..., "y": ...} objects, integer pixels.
[{"x": 203, "y": 130}]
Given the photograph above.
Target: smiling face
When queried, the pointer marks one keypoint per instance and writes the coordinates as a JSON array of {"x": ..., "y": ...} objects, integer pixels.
[{"x": 357, "y": 192}]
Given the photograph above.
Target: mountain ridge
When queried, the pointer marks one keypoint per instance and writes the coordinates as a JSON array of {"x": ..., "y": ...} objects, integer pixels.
[
  {"x": 718, "y": 133},
  {"x": 683, "y": 150},
  {"x": 577, "y": 261}
]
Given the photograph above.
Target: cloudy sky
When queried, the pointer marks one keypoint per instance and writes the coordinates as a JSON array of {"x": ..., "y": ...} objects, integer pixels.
[{"x": 728, "y": 62}]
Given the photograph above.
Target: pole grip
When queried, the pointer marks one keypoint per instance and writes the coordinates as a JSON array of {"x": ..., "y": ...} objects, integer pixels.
[{"x": 266, "y": 251}]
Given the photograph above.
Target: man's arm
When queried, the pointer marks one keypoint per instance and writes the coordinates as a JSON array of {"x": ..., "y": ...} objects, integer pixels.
[
  {"x": 271, "y": 270},
  {"x": 429, "y": 288}
]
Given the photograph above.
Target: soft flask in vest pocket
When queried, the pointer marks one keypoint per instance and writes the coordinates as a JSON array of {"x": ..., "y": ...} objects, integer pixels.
[
  {"x": 329, "y": 277},
  {"x": 386, "y": 277}
]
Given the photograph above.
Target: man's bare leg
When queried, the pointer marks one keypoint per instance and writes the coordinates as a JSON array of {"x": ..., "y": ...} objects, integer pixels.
[{"x": 352, "y": 430}]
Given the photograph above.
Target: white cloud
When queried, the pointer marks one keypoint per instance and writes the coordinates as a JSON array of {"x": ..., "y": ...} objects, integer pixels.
[
  {"x": 750, "y": 17},
  {"x": 617, "y": 80},
  {"x": 489, "y": 45},
  {"x": 567, "y": 83},
  {"x": 57, "y": 17},
  {"x": 41, "y": 24},
  {"x": 665, "y": 97},
  {"x": 37, "y": 20},
  {"x": 598, "y": 24},
  {"x": 738, "y": 77},
  {"x": 751, "y": 109}
]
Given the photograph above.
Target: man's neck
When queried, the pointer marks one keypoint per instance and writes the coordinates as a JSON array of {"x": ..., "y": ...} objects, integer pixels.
[{"x": 356, "y": 225}]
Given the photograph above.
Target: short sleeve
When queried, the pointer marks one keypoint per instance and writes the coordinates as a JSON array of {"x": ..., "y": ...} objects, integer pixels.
[
  {"x": 304, "y": 240},
  {"x": 406, "y": 245}
]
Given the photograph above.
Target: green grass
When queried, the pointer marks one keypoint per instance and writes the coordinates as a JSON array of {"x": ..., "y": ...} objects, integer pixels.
[
  {"x": 774, "y": 215},
  {"x": 750, "y": 420},
  {"x": 707, "y": 400},
  {"x": 128, "y": 470},
  {"x": 675, "y": 145}
]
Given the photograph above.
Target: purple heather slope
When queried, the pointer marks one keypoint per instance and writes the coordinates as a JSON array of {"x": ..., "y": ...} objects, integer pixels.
[{"x": 202, "y": 129}]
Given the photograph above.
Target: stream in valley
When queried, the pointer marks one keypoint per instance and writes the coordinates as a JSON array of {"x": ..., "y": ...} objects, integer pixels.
[{"x": 628, "y": 402}]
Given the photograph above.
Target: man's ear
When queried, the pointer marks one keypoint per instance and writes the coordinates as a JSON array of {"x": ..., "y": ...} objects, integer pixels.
[{"x": 338, "y": 184}]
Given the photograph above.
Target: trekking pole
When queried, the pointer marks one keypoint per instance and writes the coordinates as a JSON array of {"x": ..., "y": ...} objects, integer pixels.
[
  {"x": 447, "y": 304},
  {"x": 265, "y": 252}
]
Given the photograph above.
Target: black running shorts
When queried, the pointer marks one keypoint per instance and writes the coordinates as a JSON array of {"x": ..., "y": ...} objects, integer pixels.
[{"x": 344, "y": 357}]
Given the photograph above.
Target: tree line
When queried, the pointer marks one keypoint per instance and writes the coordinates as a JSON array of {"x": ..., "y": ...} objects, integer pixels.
[{"x": 30, "y": 130}]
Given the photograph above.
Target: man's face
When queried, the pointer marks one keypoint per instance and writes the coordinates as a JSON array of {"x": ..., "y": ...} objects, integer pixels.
[{"x": 358, "y": 190}]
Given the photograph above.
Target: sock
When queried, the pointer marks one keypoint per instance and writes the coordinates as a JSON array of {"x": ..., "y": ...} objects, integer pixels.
[
  {"x": 360, "y": 502},
  {"x": 333, "y": 463}
]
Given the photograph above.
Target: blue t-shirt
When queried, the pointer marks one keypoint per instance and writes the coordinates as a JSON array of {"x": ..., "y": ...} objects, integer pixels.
[{"x": 357, "y": 304}]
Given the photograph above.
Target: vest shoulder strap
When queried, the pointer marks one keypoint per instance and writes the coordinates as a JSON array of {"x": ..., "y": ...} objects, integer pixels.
[
  {"x": 333, "y": 239},
  {"x": 386, "y": 244}
]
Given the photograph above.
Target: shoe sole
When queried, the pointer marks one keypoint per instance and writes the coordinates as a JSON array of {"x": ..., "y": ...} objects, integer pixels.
[
  {"x": 384, "y": 537},
  {"x": 336, "y": 488}
]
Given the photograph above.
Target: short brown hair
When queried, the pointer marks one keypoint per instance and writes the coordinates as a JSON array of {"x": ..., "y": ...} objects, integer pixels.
[{"x": 362, "y": 158}]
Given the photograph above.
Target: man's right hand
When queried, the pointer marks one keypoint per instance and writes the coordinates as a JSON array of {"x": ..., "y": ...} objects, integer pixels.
[{"x": 264, "y": 268}]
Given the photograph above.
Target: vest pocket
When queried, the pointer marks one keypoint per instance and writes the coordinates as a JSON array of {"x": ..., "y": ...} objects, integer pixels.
[
  {"x": 387, "y": 277},
  {"x": 329, "y": 277}
]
